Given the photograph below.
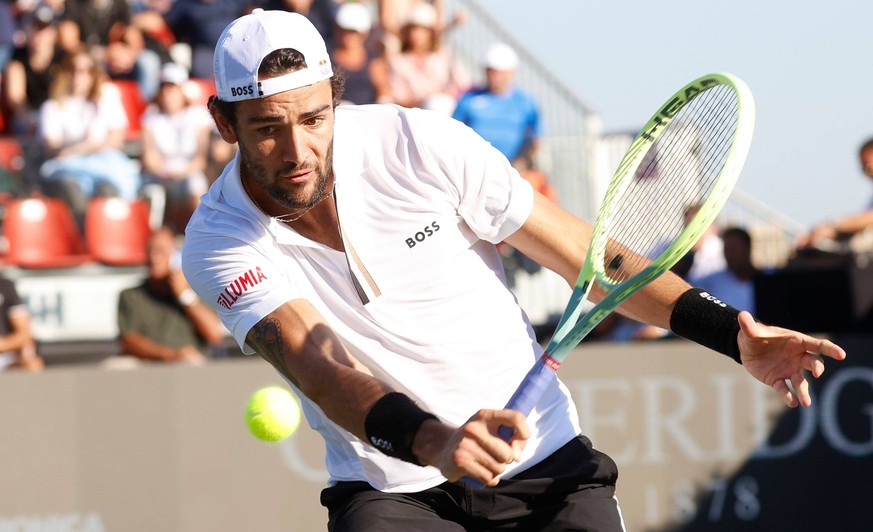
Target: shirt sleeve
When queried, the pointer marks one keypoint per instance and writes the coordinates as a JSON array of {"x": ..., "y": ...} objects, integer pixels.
[
  {"x": 126, "y": 311},
  {"x": 238, "y": 278},
  {"x": 11, "y": 300},
  {"x": 493, "y": 199}
]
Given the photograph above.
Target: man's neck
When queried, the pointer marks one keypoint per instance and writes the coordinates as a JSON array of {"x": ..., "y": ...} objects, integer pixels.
[{"x": 319, "y": 223}]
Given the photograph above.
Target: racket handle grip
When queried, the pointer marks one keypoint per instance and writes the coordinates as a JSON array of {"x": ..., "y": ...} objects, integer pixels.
[
  {"x": 525, "y": 398},
  {"x": 531, "y": 389}
]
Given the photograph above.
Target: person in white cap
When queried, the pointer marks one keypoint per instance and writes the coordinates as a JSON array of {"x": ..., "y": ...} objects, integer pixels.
[
  {"x": 509, "y": 119},
  {"x": 352, "y": 247},
  {"x": 366, "y": 78},
  {"x": 502, "y": 113}
]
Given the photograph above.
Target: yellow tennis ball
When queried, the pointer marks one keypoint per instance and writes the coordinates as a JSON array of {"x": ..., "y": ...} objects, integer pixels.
[{"x": 273, "y": 414}]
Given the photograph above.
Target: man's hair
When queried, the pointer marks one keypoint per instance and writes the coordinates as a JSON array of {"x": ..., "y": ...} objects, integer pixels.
[
  {"x": 868, "y": 145},
  {"x": 738, "y": 232},
  {"x": 277, "y": 63}
]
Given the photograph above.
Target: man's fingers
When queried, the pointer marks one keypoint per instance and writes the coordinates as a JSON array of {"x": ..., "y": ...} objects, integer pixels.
[
  {"x": 508, "y": 418},
  {"x": 794, "y": 391},
  {"x": 482, "y": 453},
  {"x": 475, "y": 457},
  {"x": 824, "y": 347},
  {"x": 801, "y": 390},
  {"x": 785, "y": 390},
  {"x": 814, "y": 364},
  {"x": 493, "y": 454},
  {"x": 481, "y": 465},
  {"x": 748, "y": 324}
]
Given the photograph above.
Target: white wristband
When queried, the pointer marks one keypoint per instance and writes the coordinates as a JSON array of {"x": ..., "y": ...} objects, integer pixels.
[{"x": 187, "y": 298}]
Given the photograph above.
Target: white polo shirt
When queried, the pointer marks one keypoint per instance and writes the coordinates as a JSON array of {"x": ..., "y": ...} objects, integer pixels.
[{"x": 421, "y": 199}]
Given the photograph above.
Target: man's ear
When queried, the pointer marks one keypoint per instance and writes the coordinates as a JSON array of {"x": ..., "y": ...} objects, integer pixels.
[{"x": 225, "y": 128}]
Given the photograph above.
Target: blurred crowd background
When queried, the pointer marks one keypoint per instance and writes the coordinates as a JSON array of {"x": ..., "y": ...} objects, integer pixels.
[{"x": 106, "y": 146}]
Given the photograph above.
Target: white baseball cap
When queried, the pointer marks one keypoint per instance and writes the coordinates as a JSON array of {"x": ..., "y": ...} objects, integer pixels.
[
  {"x": 247, "y": 40},
  {"x": 174, "y": 73},
  {"x": 500, "y": 57},
  {"x": 424, "y": 15},
  {"x": 354, "y": 17}
]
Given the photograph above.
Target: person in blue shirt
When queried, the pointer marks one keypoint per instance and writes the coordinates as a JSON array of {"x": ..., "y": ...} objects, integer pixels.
[
  {"x": 734, "y": 283},
  {"x": 508, "y": 118},
  {"x": 500, "y": 112}
]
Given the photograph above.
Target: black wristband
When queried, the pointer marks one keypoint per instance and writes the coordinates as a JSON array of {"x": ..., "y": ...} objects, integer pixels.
[
  {"x": 391, "y": 425},
  {"x": 701, "y": 317}
]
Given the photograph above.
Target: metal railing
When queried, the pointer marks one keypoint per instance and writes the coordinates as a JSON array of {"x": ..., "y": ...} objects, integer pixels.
[
  {"x": 570, "y": 125},
  {"x": 576, "y": 154}
]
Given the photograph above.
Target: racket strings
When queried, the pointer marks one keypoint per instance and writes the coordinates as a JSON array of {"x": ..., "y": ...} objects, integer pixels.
[
  {"x": 676, "y": 155},
  {"x": 678, "y": 172}
]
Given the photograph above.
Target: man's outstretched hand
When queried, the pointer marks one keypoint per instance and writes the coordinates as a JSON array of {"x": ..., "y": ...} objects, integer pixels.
[{"x": 776, "y": 356}]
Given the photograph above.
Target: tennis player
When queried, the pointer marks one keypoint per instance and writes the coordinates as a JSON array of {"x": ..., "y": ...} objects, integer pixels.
[{"x": 353, "y": 249}]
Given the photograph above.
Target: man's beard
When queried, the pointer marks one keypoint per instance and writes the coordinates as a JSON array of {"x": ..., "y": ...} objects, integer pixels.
[{"x": 250, "y": 167}]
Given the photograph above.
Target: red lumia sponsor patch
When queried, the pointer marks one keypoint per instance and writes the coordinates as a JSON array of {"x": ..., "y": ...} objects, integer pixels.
[{"x": 240, "y": 286}]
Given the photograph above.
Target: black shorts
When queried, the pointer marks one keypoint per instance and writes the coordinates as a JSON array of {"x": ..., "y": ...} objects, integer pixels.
[{"x": 572, "y": 489}]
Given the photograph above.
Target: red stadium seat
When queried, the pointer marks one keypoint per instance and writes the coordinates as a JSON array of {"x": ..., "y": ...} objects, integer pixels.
[
  {"x": 116, "y": 230},
  {"x": 11, "y": 155},
  {"x": 134, "y": 105},
  {"x": 41, "y": 233}
]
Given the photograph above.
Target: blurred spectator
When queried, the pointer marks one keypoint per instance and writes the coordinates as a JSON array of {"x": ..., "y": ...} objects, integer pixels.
[
  {"x": 82, "y": 127},
  {"x": 175, "y": 147},
  {"x": 366, "y": 79},
  {"x": 26, "y": 8},
  {"x": 148, "y": 17},
  {"x": 424, "y": 74},
  {"x": 321, "y": 13},
  {"x": 707, "y": 254},
  {"x": 105, "y": 28},
  {"x": 162, "y": 320},
  {"x": 508, "y": 118},
  {"x": 844, "y": 227},
  {"x": 220, "y": 154},
  {"x": 500, "y": 112},
  {"x": 393, "y": 14},
  {"x": 17, "y": 347},
  {"x": 199, "y": 23},
  {"x": 31, "y": 70},
  {"x": 7, "y": 33},
  {"x": 734, "y": 284}
]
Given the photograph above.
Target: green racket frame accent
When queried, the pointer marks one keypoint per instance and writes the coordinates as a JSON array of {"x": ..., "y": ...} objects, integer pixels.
[
  {"x": 568, "y": 332},
  {"x": 571, "y": 329}
]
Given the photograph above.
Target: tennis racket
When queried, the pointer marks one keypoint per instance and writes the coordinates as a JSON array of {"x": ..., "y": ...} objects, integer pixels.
[{"x": 687, "y": 157}]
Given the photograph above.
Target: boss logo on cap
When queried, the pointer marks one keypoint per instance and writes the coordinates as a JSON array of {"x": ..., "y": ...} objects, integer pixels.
[
  {"x": 245, "y": 90},
  {"x": 324, "y": 67}
]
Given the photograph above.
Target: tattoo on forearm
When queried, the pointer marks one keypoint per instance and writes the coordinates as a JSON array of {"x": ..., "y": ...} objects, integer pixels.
[{"x": 267, "y": 338}]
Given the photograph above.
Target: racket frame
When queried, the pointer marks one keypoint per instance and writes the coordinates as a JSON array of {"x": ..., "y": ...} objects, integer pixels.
[{"x": 572, "y": 328}]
